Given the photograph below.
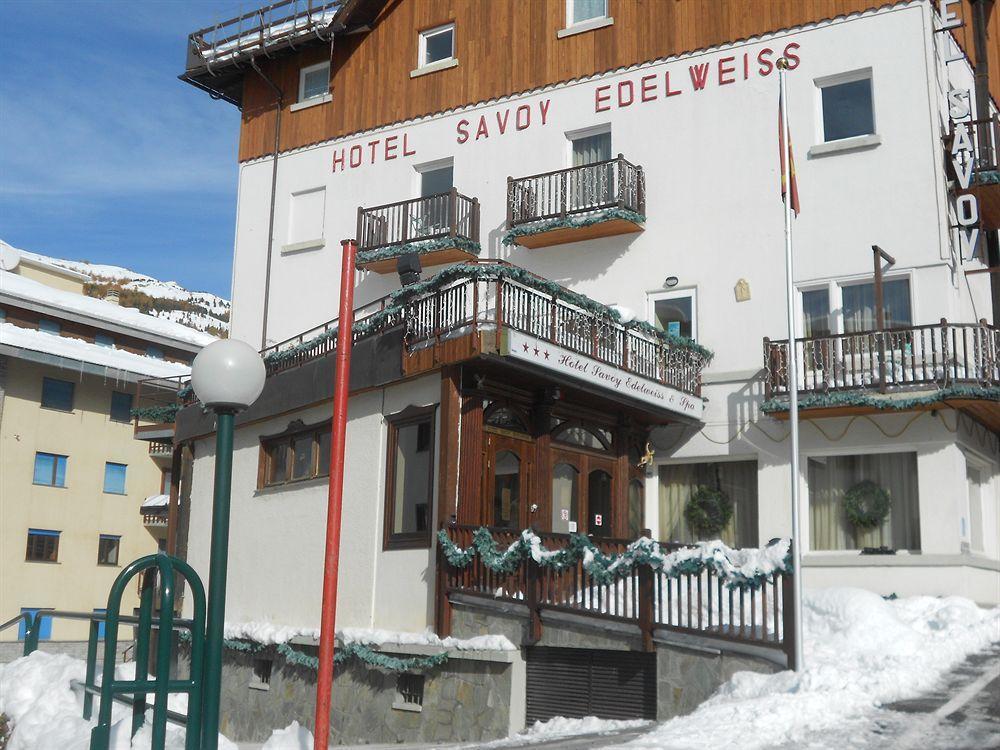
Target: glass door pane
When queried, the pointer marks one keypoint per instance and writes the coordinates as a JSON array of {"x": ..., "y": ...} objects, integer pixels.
[
  {"x": 506, "y": 489},
  {"x": 565, "y": 498},
  {"x": 599, "y": 503}
]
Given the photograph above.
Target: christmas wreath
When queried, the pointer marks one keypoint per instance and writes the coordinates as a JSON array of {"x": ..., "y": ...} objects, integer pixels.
[
  {"x": 866, "y": 505},
  {"x": 708, "y": 511}
]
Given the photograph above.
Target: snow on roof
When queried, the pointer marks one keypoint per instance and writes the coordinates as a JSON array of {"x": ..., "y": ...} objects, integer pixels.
[
  {"x": 156, "y": 501},
  {"x": 34, "y": 291},
  {"x": 83, "y": 351}
]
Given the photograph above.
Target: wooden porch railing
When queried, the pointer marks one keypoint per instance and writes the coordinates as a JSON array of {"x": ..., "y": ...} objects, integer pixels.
[
  {"x": 937, "y": 355},
  {"x": 491, "y": 302},
  {"x": 616, "y": 183},
  {"x": 697, "y": 604},
  {"x": 448, "y": 214}
]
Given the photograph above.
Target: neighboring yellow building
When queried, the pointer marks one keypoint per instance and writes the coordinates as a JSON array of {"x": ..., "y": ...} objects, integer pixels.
[{"x": 80, "y": 496}]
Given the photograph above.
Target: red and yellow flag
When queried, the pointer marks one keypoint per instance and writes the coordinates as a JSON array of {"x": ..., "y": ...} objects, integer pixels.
[{"x": 791, "y": 168}]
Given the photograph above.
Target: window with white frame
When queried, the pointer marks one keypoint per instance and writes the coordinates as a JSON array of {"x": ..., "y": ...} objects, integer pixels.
[
  {"x": 846, "y": 105},
  {"x": 834, "y": 479},
  {"x": 306, "y": 217},
  {"x": 437, "y": 45},
  {"x": 675, "y": 312},
  {"x": 849, "y": 306},
  {"x": 581, "y": 11},
  {"x": 314, "y": 82}
]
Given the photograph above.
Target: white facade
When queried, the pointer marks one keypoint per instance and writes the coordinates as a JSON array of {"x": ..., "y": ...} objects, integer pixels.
[{"x": 714, "y": 218}]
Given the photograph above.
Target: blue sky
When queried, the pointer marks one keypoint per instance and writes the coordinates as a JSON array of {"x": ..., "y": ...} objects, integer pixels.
[{"x": 104, "y": 155}]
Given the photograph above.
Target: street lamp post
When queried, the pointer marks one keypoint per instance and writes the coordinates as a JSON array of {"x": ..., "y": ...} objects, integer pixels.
[{"x": 227, "y": 377}]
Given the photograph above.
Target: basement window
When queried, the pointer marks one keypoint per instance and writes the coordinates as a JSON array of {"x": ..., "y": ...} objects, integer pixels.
[
  {"x": 409, "y": 692},
  {"x": 261, "y": 679}
]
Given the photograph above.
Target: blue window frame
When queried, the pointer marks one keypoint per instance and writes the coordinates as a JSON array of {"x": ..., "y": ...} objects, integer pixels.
[
  {"x": 154, "y": 351},
  {"x": 49, "y": 326},
  {"x": 103, "y": 339},
  {"x": 50, "y": 470},
  {"x": 44, "y": 634},
  {"x": 43, "y": 546},
  {"x": 100, "y": 625},
  {"x": 121, "y": 406},
  {"x": 57, "y": 394},
  {"x": 114, "y": 478}
]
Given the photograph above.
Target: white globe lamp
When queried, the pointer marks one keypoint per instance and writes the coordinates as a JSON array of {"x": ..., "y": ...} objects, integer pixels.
[{"x": 228, "y": 375}]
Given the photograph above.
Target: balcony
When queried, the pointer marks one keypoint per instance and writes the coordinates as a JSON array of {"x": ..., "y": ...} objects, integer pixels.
[
  {"x": 441, "y": 228},
  {"x": 156, "y": 404},
  {"x": 471, "y": 309},
  {"x": 913, "y": 368},
  {"x": 985, "y": 168},
  {"x": 580, "y": 203},
  {"x": 161, "y": 448}
]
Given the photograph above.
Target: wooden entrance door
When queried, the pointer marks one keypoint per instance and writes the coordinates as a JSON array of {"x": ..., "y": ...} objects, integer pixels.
[
  {"x": 507, "y": 472},
  {"x": 583, "y": 491}
]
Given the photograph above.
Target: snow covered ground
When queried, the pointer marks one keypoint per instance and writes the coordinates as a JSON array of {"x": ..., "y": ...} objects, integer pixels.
[{"x": 861, "y": 652}]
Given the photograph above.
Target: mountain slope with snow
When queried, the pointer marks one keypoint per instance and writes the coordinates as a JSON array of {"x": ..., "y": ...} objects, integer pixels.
[{"x": 202, "y": 311}]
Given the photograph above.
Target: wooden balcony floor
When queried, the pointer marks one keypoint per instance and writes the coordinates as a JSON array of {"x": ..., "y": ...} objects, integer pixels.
[
  {"x": 433, "y": 258},
  {"x": 566, "y": 235}
]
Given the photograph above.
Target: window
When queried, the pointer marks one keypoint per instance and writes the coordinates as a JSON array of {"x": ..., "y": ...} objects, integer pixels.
[
  {"x": 859, "y": 305},
  {"x": 295, "y": 455},
  {"x": 636, "y": 502},
  {"x": 103, "y": 339},
  {"x": 43, "y": 545},
  {"x": 154, "y": 352},
  {"x": 165, "y": 476},
  {"x": 49, "y": 326},
  {"x": 409, "y": 479},
  {"x": 846, "y": 102},
  {"x": 409, "y": 692},
  {"x": 101, "y": 626},
  {"x": 44, "y": 633},
  {"x": 674, "y": 312},
  {"x": 816, "y": 313},
  {"x": 579, "y": 11},
  {"x": 50, "y": 470},
  {"x": 978, "y": 492},
  {"x": 307, "y": 217},
  {"x": 590, "y": 149},
  {"x": 736, "y": 479},
  {"x": 114, "y": 478},
  {"x": 261, "y": 679},
  {"x": 432, "y": 216},
  {"x": 592, "y": 186},
  {"x": 314, "y": 81},
  {"x": 107, "y": 549},
  {"x": 121, "y": 407},
  {"x": 57, "y": 394},
  {"x": 436, "y": 45},
  {"x": 830, "y": 478}
]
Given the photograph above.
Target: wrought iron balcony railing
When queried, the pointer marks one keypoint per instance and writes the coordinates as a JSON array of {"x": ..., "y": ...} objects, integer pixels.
[
  {"x": 940, "y": 355},
  {"x": 616, "y": 183},
  {"x": 985, "y": 153},
  {"x": 491, "y": 296},
  {"x": 446, "y": 215}
]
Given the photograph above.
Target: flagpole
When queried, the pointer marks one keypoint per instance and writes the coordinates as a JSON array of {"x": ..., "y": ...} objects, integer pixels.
[{"x": 793, "y": 381}]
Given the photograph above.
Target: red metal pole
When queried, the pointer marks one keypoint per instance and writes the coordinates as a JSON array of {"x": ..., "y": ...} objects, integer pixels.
[{"x": 331, "y": 563}]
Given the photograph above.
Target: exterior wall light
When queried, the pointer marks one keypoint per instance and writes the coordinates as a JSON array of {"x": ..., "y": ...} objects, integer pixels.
[{"x": 670, "y": 282}]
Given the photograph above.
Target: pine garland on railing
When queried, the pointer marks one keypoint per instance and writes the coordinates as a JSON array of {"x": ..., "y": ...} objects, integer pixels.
[
  {"x": 883, "y": 402},
  {"x": 572, "y": 222},
  {"x": 399, "y": 299},
  {"x": 420, "y": 248},
  {"x": 341, "y": 654},
  {"x": 163, "y": 414},
  {"x": 736, "y": 568}
]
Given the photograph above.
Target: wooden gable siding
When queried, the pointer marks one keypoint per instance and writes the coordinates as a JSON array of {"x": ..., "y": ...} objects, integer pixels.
[{"x": 502, "y": 48}]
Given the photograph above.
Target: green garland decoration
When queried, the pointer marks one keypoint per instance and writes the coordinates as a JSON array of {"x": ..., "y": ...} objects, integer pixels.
[
  {"x": 603, "y": 568},
  {"x": 341, "y": 654},
  {"x": 570, "y": 222},
  {"x": 990, "y": 177},
  {"x": 162, "y": 414},
  {"x": 708, "y": 511},
  {"x": 866, "y": 505},
  {"x": 420, "y": 248},
  {"x": 399, "y": 300},
  {"x": 856, "y": 398}
]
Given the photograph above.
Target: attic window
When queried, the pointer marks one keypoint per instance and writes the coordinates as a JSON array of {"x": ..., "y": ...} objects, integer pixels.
[
  {"x": 436, "y": 50},
  {"x": 314, "y": 85}
]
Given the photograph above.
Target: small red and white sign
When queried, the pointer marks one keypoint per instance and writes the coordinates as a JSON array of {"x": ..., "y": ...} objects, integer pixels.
[{"x": 598, "y": 519}]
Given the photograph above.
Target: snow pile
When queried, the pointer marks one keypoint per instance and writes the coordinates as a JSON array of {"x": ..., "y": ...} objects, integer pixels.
[
  {"x": 47, "y": 712},
  {"x": 78, "y": 350},
  {"x": 293, "y": 737},
  {"x": 861, "y": 651},
  {"x": 156, "y": 501},
  {"x": 269, "y": 633}
]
